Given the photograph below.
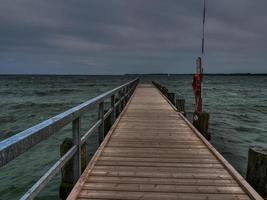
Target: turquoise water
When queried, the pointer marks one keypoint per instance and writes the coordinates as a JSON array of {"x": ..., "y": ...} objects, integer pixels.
[{"x": 237, "y": 105}]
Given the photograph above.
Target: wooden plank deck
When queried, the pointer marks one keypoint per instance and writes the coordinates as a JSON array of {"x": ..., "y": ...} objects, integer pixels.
[{"x": 153, "y": 152}]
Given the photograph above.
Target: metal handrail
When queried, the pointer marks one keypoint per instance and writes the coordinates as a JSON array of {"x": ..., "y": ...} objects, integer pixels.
[{"x": 14, "y": 146}]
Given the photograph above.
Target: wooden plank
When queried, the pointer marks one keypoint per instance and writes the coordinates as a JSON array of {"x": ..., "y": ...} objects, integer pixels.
[
  {"x": 175, "y": 136},
  {"x": 157, "y": 164},
  {"x": 148, "y": 174},
  {"x": 153, "y": 137},
  {"x": 134, "y": 187},
  {"x": 148, "y": 131},
  {"x": 153, "y": 140},
  {"x": 152, "y": 170},
  {"x": 196, "y": 160},
  {"x": 100, "y": 194},
  {"x": 169, "y": 181},
  {"x": 154, "y": 155},
  {"x": 156, "y": 150},
  {"x": 153, "y": 127},
  {"x": 155, "y": 145}
]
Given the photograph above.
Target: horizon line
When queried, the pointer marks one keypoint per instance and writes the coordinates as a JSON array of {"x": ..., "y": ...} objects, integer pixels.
[{"x": 130, "y": 74}]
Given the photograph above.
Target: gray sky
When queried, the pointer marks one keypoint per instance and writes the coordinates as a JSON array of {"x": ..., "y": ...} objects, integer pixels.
[{"x": 131, "y": 36}]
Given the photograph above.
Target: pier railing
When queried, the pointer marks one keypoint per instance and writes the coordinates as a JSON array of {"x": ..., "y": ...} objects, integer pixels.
[
  {"x": 177, "y": 101},
  {"x": 14, "y": 146}
]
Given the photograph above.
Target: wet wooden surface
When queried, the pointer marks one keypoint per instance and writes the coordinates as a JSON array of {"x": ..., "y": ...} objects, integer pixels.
[{"x": 152, "y": 153}]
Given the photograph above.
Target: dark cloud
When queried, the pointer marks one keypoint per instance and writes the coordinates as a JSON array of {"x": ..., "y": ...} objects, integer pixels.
[{"x": 131, "y": 36}]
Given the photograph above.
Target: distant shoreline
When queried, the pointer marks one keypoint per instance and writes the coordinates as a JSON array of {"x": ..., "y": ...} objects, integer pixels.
[{"x": 153, "y": 74}]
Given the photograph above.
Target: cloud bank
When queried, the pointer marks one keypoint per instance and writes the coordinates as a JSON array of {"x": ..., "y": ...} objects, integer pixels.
[{"x": 126, "y": 36}]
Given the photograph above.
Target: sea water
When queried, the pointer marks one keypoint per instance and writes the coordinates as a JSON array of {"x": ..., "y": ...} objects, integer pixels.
[{"x": 237, "y": 107}]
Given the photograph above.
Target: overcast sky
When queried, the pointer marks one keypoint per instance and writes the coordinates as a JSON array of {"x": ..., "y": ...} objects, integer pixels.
[{"x": 131, "y": 36}]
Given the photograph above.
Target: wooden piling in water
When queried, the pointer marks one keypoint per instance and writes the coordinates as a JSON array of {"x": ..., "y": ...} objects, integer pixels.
[
  {"x": 201, "y": 123},
  {"x": 257, "y": 170},
  {"x": 67, "y": 173},
  {"x": 171, "y": 97},
  {"x": 165, "y": 91},
  {"x": 180, "y": 105}
]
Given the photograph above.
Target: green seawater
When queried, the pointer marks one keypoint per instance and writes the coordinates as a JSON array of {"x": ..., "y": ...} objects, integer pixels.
[{"x": 237, "y": 105}]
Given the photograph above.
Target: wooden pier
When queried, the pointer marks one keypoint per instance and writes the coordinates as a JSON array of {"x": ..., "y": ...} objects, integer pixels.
[{"x": 153, "y": 152}]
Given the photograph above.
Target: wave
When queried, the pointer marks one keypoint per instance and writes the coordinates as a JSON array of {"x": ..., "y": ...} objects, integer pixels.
[
  {"x": 34, "y": 105},
  {"x": 244, "y": 129},
  {"x": 55, "y": 92}
]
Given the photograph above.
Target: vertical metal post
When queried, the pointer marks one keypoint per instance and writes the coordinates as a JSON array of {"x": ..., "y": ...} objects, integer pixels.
[
  {"x": 127, "y": 93},
  {"x": 101, "y": 127},
  {"x": 120, "y": 106},
  {"x": 122, "y": 102},
  {"x": 123, "y": 97},
  {"x": 132, "y": 87},
  {"x": 76, "y": 136},
  {"x": 113, "y": 113}
]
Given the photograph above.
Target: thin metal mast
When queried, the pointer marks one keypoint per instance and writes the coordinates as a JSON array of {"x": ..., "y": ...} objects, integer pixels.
[
  {"x": 203, "y": 49},
  {"x": 203, "y": 29}
]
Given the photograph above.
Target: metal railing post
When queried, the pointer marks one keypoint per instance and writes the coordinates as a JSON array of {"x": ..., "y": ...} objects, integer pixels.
[
  {"x": 101, "y": 127},
  {"x": 131, "y": 89},
  {"x": 76, "y": 137},
  {"x": 123, "y": 97},
  {"x": 120, "y": 106},
  {"x": 113, "y": 113},
  {"x": 127, "y": 93}
]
